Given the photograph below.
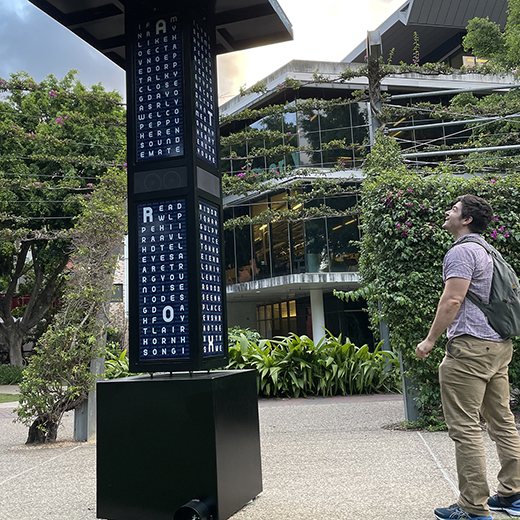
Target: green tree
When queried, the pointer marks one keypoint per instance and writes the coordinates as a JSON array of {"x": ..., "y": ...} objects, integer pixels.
[
  {"x": 58, "y": 376},
  {"x": 489, "y": 41},
  {"x": 57, "y": 139}
]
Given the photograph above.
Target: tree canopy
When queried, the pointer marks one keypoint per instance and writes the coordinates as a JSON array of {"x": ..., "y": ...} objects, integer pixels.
[
  {"x": 501, "y": 46},
  {"x": 58, "y": 139}
]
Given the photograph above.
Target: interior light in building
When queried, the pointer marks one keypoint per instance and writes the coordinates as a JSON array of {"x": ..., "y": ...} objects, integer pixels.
[
  {"x": 298, "y": 206},
  {"x": 345, "y": 224}
]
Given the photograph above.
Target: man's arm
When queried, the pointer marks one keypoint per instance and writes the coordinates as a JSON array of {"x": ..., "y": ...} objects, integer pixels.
[{"x": 452, "y": 297}]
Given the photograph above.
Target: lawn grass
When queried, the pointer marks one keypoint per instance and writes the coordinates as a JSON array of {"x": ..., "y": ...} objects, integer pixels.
[{"x": 8, "y": 398}]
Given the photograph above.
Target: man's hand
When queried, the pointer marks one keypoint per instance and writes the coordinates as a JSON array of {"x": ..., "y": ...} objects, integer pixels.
[{"x": 423, "y": 348}]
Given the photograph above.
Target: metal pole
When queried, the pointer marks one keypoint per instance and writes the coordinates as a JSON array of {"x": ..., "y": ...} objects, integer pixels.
[
  {"x": 463, "y": 151},
  {"x": 448, "y": 92},
  {"x": 452, "y": 123}
]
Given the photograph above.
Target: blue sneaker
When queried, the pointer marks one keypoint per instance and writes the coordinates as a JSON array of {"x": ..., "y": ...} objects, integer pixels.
[
  {"x": 510, "y": 504},
  {"x": 454, "y": 512}
]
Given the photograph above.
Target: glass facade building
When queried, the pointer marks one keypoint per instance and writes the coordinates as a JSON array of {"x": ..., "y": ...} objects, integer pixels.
[{"x": 260, "y": 257}]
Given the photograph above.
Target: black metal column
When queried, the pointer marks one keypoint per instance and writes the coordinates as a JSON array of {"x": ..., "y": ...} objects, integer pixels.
[{"x": 177, "y": 294}]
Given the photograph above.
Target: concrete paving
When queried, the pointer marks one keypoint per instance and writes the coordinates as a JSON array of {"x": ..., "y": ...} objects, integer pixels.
[{"x": 322, "y": 458}]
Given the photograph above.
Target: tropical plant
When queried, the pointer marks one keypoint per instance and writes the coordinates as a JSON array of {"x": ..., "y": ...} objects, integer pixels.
[
  {"x": 235, "y": 333},
  {"x": 117, "y": 365},
  {"x": 295, "y": 366}
]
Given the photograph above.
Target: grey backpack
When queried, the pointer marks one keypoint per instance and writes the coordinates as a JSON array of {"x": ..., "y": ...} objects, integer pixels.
[{"x": 503, "y": 309}]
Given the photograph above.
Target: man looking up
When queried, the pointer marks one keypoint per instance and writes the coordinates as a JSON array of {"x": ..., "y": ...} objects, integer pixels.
[{"x": 474, "y": 372}]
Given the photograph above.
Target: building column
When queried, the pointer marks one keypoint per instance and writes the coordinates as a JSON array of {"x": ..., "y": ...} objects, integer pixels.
[{"x": 317, "y": 315}]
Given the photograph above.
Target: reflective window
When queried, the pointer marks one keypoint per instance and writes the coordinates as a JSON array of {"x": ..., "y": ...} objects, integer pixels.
[
  {"x": 229, "y": 250},
  {"x": 281, "y": 258},
  {"x": 260, "y": 262},
  {"x": 244, "y": 252},
  {"x": 342, "y": 232},
  {"x": 316, "y": 250}
]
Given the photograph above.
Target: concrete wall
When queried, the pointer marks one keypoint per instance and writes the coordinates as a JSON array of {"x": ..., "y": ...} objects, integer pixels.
[{"x": 242, "y": 314}]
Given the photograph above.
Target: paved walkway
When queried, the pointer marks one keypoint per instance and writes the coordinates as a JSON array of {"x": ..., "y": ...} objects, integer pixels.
[{"x": 323, "y": 458}]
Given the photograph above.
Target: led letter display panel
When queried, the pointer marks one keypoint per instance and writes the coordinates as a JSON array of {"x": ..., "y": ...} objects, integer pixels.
[
  {"x": 158, "y": 89},
  {"x": 163, "y": 281}
]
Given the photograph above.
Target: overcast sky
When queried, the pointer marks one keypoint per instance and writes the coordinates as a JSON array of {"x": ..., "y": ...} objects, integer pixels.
[{"x": 325, "y": 30}]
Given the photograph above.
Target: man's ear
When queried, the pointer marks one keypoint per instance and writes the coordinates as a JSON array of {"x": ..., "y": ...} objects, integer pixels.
[{"x": 467, "y": 221}]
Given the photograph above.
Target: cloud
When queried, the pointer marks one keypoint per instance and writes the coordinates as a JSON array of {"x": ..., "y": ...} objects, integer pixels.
[
  {"x": 230, "y": 74},
  {"x": 34, "y": 42}
]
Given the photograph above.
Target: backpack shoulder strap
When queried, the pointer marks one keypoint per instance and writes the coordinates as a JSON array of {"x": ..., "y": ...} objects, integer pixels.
[{"x": 490, "y": 249}]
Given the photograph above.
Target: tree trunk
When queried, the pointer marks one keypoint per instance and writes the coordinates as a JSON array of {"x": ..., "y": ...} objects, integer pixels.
[
  {"x": 38, "y": 436},
  {"x": 14, "y": 340}
]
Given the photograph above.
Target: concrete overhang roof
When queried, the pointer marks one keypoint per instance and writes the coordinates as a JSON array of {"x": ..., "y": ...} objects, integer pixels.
[
  {"x": 440, "y": 25},
  {"x": 240, "y": 24},
  {"x": 290, "y": 286}
]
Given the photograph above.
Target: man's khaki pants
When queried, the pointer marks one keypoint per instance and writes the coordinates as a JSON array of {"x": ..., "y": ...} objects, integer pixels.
[{"x": 473, "y": 377}]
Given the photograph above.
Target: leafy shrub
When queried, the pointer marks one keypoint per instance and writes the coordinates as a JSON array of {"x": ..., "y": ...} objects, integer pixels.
[
  {"x": 116, "y": 365},
  {"x": 234, "y": 334},
  {"x": 295, "y": 366},
  {"x": 10, "y": 375},
  {"x": 402, "y": 249}
]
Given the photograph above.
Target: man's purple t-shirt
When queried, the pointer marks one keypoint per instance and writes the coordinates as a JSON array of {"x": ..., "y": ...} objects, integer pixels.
[{"x": 471, "y": 262}]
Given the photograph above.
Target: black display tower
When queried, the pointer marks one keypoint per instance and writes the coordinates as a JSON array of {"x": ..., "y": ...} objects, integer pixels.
[
  {"x": 187, "y": 442},
  {"x": 177, "y": 298}
]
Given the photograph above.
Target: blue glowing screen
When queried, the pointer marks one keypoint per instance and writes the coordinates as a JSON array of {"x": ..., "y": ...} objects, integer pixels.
[
  {"x": 163, "y": 281},
  {"x": 158, "y": 89}
]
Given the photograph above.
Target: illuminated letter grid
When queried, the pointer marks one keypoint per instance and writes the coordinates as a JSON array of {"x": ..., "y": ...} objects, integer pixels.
[
  {"x": 158, "y": 95},
  {"x": 163, "y": 281},
  {"x": 211, "y": 281},
  {"x": 204, "y": 96}
]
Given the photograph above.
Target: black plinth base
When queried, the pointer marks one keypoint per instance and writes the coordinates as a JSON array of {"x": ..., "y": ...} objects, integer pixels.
[{"x": 165, "y": 441}]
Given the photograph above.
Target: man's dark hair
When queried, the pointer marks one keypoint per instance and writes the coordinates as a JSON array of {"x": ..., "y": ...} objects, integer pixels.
[{"x": 479, "y": 209}]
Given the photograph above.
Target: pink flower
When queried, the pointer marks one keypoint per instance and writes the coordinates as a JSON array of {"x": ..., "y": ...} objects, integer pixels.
[
  {"x": 501, "y": 228},
  {"x": 240, "y": 175},
  {"x": 506, "y": 234},
  {"x": 495, "y": 218},
  {"x": 398, "y": 226},
  {"x": 493, "y": 181}
]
